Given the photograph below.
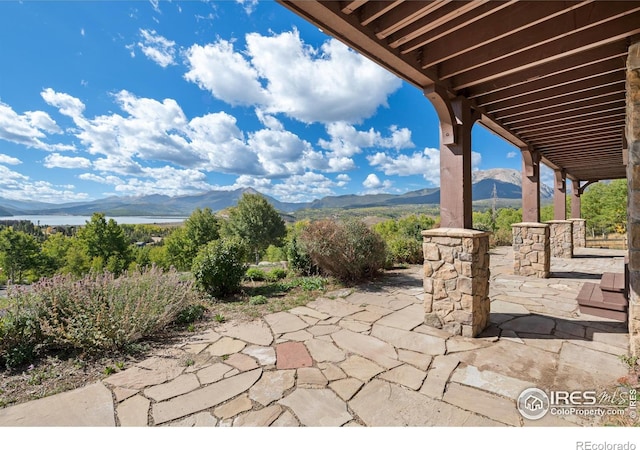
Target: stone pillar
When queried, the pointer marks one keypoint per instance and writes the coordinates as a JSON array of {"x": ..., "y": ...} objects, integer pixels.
[
  {"x": 456, "y": 282},
  {"x": 531, "y": 249},
  {"x": 530, "y": 185},
  {"x": 579, "y": 227},
  {"x": 559, "y": 195},
  {"x": 633, "y": 178},
  {"x": 561, "y": 238}
]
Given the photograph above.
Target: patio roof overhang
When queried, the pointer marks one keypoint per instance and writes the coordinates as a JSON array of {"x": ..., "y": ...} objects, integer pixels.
[{"x": 548, "y": 76}]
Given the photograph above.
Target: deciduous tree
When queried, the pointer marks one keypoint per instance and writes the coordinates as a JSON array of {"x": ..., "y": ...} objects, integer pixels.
[{"x": 257, "y": 223}]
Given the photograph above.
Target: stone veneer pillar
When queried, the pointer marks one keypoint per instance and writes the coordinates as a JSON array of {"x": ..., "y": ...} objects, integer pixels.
[
  {"x": 633, "y": 178},
  {"x": 561, "y": 238},
  {"x": 579, "y": 232},
  {"x": 531, "y": 249},
  {"x": 456, "y": 280}
]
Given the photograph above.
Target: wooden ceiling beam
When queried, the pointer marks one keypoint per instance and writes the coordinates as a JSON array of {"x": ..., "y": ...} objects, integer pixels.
[
  {"x": 575, "y": 129},
  {"x": 553, "y": 106},
  {"x": 443, "y": 16},
  {"x": 605, "y": 145},
  {"x": 505, "y": 25},
  {"x": 591, "y": 23},
  {"x": 588, "y": 64},
  {"x": 575, "y": 124},
  {"x": 577, "y": 134},
  {"x": 559, "y": 95},
  {"x": 350, "y": 7},
  {"x": 623, "y": 27},
  {"x": 405, "y": 15},
  {"x": 608, "y": 106},
  {"x": 418, "y": 37},
  {"x": 596, "y": 135}
]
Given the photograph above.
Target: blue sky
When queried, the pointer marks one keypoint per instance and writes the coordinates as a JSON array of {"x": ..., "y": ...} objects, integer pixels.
[{"x": 176, "y": 98}]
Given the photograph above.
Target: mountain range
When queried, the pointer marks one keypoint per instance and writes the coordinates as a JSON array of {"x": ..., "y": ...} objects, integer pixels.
[{"x": 507, "y": 184}]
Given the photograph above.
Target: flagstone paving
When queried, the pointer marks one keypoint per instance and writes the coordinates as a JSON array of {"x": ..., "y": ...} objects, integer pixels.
[{"x": 364, "y": 357}]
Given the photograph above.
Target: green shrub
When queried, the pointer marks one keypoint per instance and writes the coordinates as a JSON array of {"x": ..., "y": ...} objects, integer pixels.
[
  {"x": 349, "y": 251},
  {"x": 258, "y": 300},
  {"x": 255, "y": 274},
  {"x": 404, "y": 238},
  {"x": 276, "y": 274},
  {"x": 315, "y": 283},
  {"x": 297, "y": 258},
  {"x": 218, "y": 268},
  {"x": 502, "y": 237},
  {"x": 275, "y": 254},
  {"x": 190, "y": 314},
  {"x": 405, "y": 250},
  {"x": 20, "y": 335}
]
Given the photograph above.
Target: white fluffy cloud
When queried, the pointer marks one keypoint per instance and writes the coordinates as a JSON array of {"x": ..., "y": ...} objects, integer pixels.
[
  {"x": 281, "y": 74},
  {"x": 511, "y": 155},
  {"x": 296, "y": 188},
  {"x": 16, "y": 186},
  {"x": 66, "y": 104},
  {"x": 373, "y": 184},
  {"x": 282, "y": 153},
  {"x": 157, "y": 48},
  {"x": 6, "y": 159},
  {"x": 307, "y": 186},
  {"x": 150, "y": 146},
  {"x": 225, "y": 73},
  {"x": 27, "y": 129},
  {"x": 125, "y": 145},
  {"x": 346, "y": 141},
  {"x": 66, "y": 162},
  {"x": 425, "y": 163}
]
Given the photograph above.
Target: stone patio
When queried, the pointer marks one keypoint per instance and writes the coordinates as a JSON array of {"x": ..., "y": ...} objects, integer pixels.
[{"x": 365, "y": 358}]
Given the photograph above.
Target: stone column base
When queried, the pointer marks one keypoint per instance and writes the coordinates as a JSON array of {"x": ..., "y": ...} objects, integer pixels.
[
  {"x": 579, "y": 232},
  {"x": 561, "y": 238},
  {"x": 531, "y": 249},
  {"x": 456, "y": 280},
  {"x": 634, "y": 328}
]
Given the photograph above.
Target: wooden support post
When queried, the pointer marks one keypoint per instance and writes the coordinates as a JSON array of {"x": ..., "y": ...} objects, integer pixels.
[
  {"x": 576, "y": 192},
  {"x": 456, "y": 120},
  {"x": 530, "y": 185},
  {"x": 559, "y": 195}
]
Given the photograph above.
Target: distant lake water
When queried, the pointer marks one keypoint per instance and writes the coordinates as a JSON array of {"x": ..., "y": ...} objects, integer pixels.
[{"x": 81, "y": 220}]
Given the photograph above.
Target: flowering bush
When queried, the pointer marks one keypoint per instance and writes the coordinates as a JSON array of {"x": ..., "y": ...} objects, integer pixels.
[{"x": 95, "y": 313}]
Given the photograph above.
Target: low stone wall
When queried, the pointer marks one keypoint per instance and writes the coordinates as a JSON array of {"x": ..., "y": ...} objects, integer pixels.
[
  {"x": 531, "y": 249},
  {"x": 579, "y": 232},
  {"x": 456, "y": 280},
  {"x": 561, "y": 237}
]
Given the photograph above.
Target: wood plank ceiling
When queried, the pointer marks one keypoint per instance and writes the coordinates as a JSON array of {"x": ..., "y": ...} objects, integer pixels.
[{"x": 549, "y": 74}]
